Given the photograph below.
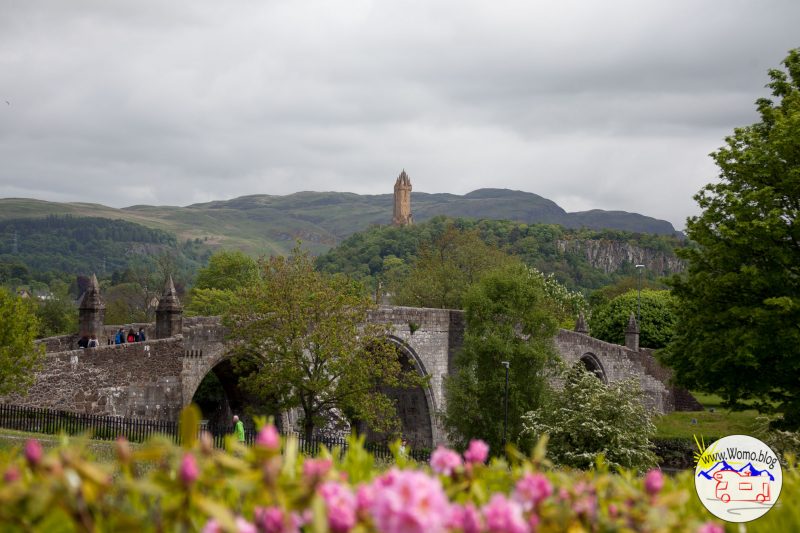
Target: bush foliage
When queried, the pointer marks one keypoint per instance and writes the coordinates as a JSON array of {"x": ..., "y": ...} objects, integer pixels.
[
  {"x": 273, "y": 488},
  {"x": 587, "y": 417}
]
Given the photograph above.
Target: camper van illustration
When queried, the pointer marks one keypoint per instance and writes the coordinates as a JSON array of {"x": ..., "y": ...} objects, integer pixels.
[{"x": 742, "y": 487}]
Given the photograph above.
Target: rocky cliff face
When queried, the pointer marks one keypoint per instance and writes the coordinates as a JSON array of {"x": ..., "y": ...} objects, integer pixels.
[{"x": 609, "y": 256}]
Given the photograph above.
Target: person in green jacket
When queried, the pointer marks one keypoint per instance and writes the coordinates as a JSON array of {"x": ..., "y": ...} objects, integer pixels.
[{"x": 238, "y": 428}]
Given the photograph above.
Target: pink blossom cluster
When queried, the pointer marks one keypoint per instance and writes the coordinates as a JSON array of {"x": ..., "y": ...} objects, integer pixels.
[
  {"x": 446, "y": 461},
  {"x": 269, "y": 438},
  {"x": 531, "y": 490},
  {"x": 341, "y": 504},
  {"x": 408, "y": 501},
  {"x": 275, "y": 520},
  {"x": 412, "y": 501}
]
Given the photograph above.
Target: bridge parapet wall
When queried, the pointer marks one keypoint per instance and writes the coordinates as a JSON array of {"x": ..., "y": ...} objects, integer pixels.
[
  {"x": 619, "y": 363},
  {"x": 136, "y": 380}
]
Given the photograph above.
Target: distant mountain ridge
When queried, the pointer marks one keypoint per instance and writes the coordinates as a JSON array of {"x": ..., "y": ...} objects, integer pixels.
[{"x": 272, "y": 224}]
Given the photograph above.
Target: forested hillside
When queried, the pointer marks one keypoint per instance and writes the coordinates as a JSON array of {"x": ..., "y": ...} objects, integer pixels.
[
  {"x": 61, "y": 247},
  {"x": 581, "y": 259}
]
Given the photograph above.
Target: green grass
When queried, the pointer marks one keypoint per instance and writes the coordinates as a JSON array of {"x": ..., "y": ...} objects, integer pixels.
[
  {"x": 101, "y": 450},
  {"x": 717, "y": 423}
]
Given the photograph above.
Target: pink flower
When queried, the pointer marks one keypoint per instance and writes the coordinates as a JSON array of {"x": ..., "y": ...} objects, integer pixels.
[
  {"x": 123, "y": 449},
  {"x": 242, "y": 526},
  {"x": 477, "y": 452},
  {"x": 504, "y": 516},
  {"x": 585, "y": 506},
  {"x": 315, "y": 469},
  {"x": 341, "y": 504},
  {"x": 653, "y": 482},
  {"x": 270, "y": 519},
  {"x": 533, "y": 521},
  {"x": 11, "y": 475},
  {"x": 408, "y": 501},
  {"x": 188, "y": 471},
  {"x": 445, "y": 461},
  {"x": 612, "y": 510},
  {"x": 711, "y": 527},
  {"x": 212, "y": 526},
  {"x": 531, "y": 490},
  {"x": 365, "y": 497},
  {"x": 269, "y": 438},
  {"x": 465, "y": 518},
  {"x": 33, "y": 452}
]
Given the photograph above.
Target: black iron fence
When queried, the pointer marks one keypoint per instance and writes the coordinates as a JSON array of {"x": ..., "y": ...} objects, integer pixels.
[{"x": 51, "y": 421}]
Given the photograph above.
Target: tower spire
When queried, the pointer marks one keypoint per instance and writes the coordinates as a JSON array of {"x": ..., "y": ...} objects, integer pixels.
[{"x": 402, "y": 200}]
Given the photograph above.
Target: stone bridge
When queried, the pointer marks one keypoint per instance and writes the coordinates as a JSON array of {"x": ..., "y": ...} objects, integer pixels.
[{"x": 155, "y": 379}]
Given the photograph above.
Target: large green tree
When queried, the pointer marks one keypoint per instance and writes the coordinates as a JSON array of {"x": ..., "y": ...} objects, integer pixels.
[
  {"x": 737, "y": 332},
  {"x": 227, "y": 270},
  {"x": 19, "y": 355},
  {"x": 656, "y": 323},
  {"x": 213, "y": 293},
  {"x": 301, "y": 339},
  {"x": 511, "y": 315},
  {"x": 446, "y": 268}
]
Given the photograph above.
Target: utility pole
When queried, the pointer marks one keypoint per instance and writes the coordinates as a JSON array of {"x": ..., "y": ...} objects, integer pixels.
[
  {"x": 505, "y": 421},
  {"x": 15, "y": 246},
  {"x": 640, "y": 268}
]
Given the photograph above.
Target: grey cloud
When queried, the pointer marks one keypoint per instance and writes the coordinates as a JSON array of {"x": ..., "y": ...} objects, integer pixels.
[{"x": 611, "y": 105}]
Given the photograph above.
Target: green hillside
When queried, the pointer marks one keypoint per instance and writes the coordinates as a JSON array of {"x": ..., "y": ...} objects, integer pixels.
[
  {"x": 373, "y": 255},
  {"x": 65, "y": 246},
  {"x": 263, "y": 224}
]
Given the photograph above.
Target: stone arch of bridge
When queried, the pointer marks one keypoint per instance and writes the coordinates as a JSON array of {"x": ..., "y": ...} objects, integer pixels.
[
  {"x": 592, "y": 363},
  {"x": 216, "y": 391},
  {"x": 416, "y": 407}
]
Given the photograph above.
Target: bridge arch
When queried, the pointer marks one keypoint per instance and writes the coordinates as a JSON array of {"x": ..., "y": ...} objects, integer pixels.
[
  {"x": 592, "y": 363},
  {"x": 416, "y": 407}
]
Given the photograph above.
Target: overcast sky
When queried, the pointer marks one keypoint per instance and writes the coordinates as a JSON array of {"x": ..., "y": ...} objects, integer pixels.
[{"x": 593, "y": 104}]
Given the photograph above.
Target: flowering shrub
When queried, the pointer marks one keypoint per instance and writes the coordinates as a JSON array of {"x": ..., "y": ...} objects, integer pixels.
[
  {"x": 588, "y": 417},
  {"x": 264, "y": 489}
]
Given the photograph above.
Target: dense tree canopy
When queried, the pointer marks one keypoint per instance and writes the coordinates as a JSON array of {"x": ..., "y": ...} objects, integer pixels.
[
  {"x": 511, "y": 315},
  {"x": 656, "y": 323},
  {"x": 213, "y": 293},
  {"x": 19, "y": 356},
  {"x": 445, "y": 269},
  {"x": 382, "y": 254},
  {"x": 301, "y": 339},
  {"x": 739, "y": 305},
  {"x": 227, "y": 270}
]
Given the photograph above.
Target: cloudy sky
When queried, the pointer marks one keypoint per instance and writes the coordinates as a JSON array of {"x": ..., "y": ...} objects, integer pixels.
[{"x": 610, "y": 105}]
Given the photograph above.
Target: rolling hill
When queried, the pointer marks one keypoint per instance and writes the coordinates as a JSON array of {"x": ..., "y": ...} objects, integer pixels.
[{"x": 264, "y": 224}]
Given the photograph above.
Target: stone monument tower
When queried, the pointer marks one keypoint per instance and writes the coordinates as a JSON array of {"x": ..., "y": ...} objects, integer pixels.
[
  {"x": 91, "y": 310},
  {"x": 169, "y": 313},
  {"x": 402, "y": 201}
]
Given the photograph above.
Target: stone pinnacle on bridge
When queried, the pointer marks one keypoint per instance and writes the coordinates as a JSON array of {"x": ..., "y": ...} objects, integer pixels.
[
  {"x": 632, "y": 334},
  {"x": 91, "y": 298},
  {"x": 169, "y": 299},
  {"x": 91, "y": 310},
  {"x": 169, "y": 313},
  {"x": 580, "y": 324}
]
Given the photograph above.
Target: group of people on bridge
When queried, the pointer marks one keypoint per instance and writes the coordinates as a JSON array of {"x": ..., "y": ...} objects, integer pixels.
[
  {"x": 133, "y": 336},
  {"x": 90, "y": 341}
]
